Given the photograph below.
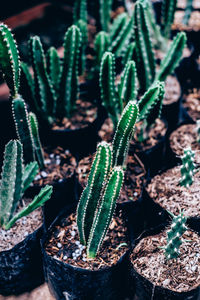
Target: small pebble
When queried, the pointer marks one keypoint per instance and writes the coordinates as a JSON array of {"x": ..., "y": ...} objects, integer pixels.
[
  {"x": 44, "y": 174},
  {"x": 135, "y": 194},
  {"x": 51, "y": 155},
  {"x": 65, "y": 257},
  {"x": 59, "y": 245},
  {"x": 166, "y": 282},
  {"x": 73, "y": 233},
  {"x": 47, "y": 161}
]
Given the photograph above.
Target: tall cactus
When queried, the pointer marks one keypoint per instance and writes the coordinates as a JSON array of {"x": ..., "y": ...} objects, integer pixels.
[
  {"x": 105, "y": 7},
  {"x": 144, "y": 51},
  {"x": 53, "y": 68},
  {"x": 69, "y": 77},
  {"x": 174, "y": 235},
  {"x": 188, "y": 168},
  {"x": 130, "y": 53},
  {"x": 80, "y": 10},
  {"x": 82, "y": 25},
  {"x": 90, "y": 198},
  {"x": 9, "y": 59},
  {"x": 101, "y": 44},
  {"x": 124, "y": 133},
  {"x": 168, "y": 11},
  {"x": 23, "y": 129},
  {"x": 14, "y": 180},
  {"x": 105, "y": 211}
]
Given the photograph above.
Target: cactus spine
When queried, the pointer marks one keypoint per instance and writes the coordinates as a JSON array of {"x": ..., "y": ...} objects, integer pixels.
[
  {"x": 124, "y": 133},
  {"x": 174, "y": 235},
  {"x": 9, "y": 59},
  {"x": 168, "y": 11},
  {"x": 188, "y": 168},
  {"x": 105, "y": 211},
  {"x": 105, "y": 11},
  {"x": 69, "y": 76},
  {"x": 91, "y": 195}
]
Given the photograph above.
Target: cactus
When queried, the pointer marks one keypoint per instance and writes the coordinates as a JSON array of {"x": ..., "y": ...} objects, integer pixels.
[
  {"x": 69, "y": 76},
  {"x": 90, "y": 197},
  {"x": 127, "y": 88},
  {"x": 198, "y": 130},
  {"x": 36, "y": 139},
  {"x": 168, "y": 11},
  {"x": 129, "y": 54},
  {"x": 23, "y": 129},
  {"x": 105, "y": 211},
  {"x": 188, "y": 11},
  {"x": 174, "y": 235},
  {"x": 15, "y": 179},
  {"x": 101, "y": 44},
  {"x": 188, "y": 168},
  {"x": 144, "y": 52},
  {"x": 105, "y": 12},
  {"x": 124, "y": 133},
  {"x": 173, "y": 56},
  {"x": 82, "y": 25},
  {"x": 9, "y": 59},
  {"x": 80, "y": 11},
  {"x": 53, "y": 67},
  {"x": 117, "y": 25}
]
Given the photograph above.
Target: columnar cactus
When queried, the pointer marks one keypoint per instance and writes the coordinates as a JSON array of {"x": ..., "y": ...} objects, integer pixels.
[
  {"x": 174, "y": 235},
  {"x": 130, "y": 53},
  {"x": 9, "y": 59},
  {"x": 14, "y": 181},
  {"x": 97, "y": 202},
  {"x": 124, "y": 132},
  {"x": 53, "y": 67},
  {"x": 168, "y": 11},
  {"x": 101, "y": 44},
  {"x": 82, "y": 25},
  {"x": 80, "y": 10},
  {"x": 188, "y": 168},
  {"x": 105, "y": 7}
]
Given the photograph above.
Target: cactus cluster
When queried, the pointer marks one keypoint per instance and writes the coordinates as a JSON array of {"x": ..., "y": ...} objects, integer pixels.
[
  {"x": 187, "y": 168},
  {"x": 174, "y": 235},
  {"x": 145, "y": 58},
  {"x": 15, "y": 179}
]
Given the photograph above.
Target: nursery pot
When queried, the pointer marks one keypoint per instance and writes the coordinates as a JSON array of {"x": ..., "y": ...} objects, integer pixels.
[
  {"x": 21, "y": 267},
  {"x": 69, "y": 282}
]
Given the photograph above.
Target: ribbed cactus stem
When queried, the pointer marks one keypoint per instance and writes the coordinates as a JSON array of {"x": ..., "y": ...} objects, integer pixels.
[
  {"x": 9, "y": 59},
  {"x": 36, "y": 140},
  {"x": 188, "y": 168},
  {"x": 69, "y": 87},
  {"x": 101, "y": 44},
  {"x": 130, "y": 53},
  {"x": 23, "y": 129},
  {"x": 105, "y": 211},
  {"x": 107, "y": 84},
  {"x": 145, "y": 61},
  {"x": 54, "y": 67},
  {"x": 80, "y": 10},
  {"x": 82, "y": 25},
  {"x": 90, "y": 197},
  {"x": 168, "y": 11},
  {"x": 174, "y": 235},
  {"x": 127, "y": 88},
  {"x": 105, "y": 12},
  {"x": 123, "y": 134},
  {"x": 198, "y": 130},
  {"x": 117, "y": 25},
  {"x": 173, "y": 56}
]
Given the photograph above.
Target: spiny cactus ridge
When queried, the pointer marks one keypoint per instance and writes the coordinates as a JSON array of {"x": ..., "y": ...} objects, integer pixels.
[
  {"x": 105, "y": 7},
  {"x": 53, "y": 68},
  {"x": 174, "y": 235},
  {"x": 101, "y": 44},
  {"x": 82, "y": 25},
  {"x": 188, "y": 168},
  {"x": 80, "y": 10},
  {"x": 129, "y": 54},
  {"x": 168, "y": 11}
]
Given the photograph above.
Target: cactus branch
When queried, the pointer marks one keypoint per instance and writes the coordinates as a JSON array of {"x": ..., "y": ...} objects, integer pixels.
[
  {"x": 168, "y": 11},
  {"x": 105, "y": 11},
  {"x": 54, "y": 67},
  {"x": 188, "y": 168},
  {"x": 101, "y": 44},
  {"x": 30, "y": 171}
]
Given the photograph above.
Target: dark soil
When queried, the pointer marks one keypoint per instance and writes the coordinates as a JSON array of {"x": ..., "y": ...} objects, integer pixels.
[{"x": 192, "y": 104}]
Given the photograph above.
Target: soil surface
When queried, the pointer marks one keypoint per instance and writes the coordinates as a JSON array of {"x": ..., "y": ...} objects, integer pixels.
[
  {"x": 193, "y": 24},
  {"x": 134, "y": 178},
  {"x": 21, "y": 229},
  {"x": 59, "y": 164},
  {"x": 192, "y": 104},
  {"x": 181, "y": 274},
  {"x": 172, "y": 90},
  {"x": 84, "y": 114},
  {"x": 166, "y": 191},
  {"x": 40, "y": 293},
  {"x": 64, "y": 245},
  {"x": 185, "y": 137}
]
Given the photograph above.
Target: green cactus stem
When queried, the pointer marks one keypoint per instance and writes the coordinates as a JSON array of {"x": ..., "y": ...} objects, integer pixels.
[
  {"x": 69, "y": 87},
  {"x": 9, "y": 59},
  {"x": 173, "y": 56},
  {"x": 105, "y": 7},
  {"x": 124, "y": 132},
  {"x": 105, "y": 212},
  {"x": 91, "y": 195},
  {"x": 30, "y": 171},
  {"x": 82, "y": 25},
  {"x": 36, "y": 140},
  {"x": 127, "y": 88},
  {"x": 145, "y": 61},
  {"x": 188, "y": 168},
  {"x": 117, "y": 25},
  {"x": 174, "y": 235},
  {"x": 188, "y": 11},
  {"x": 168, "y": 11},
  {"x": 23, "y": 130},
  {"x": 80, "y": 10},
  {"x": 53, "y": 67},
  {"x": 130, "y": 53},
  {"x": 101, "y": 44}
]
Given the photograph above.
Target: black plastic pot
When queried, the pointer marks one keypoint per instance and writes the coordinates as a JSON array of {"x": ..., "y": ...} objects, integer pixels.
[
  {"x": 68, "y": 282},
  {"x": 21, "y": 267}
]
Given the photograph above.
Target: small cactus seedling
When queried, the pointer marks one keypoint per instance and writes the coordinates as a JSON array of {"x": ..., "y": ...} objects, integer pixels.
[
  {"x": 188, "y": 168},
  {"x": 15, "y": 179},
  {"x": 198, "y": 130},
  {"x": 97, "y": 202},
  {"x": 174, "y": 235}
]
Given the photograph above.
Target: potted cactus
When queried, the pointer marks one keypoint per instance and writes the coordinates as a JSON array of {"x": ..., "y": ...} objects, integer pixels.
[
  {"x": 21, "y": 224},
  {"x": 166, "y": 264},
  {"x": 78, "y": 258}
]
